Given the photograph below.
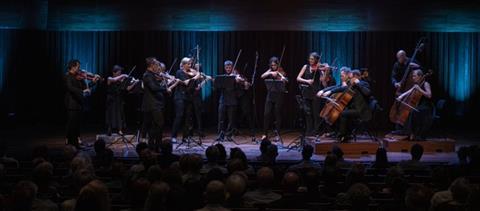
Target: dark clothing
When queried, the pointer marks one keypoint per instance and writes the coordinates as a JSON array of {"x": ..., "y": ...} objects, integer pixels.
[
  {"x": 184, "y": 105},
  {"x": 273, "y": 108},
  {"x": 152, "y": 106},
  {"x": 197, "y": 110},
  {"x": 399, "y": 69},
  {"x": 74, "y": 98},
  {"x": 224, "y": 112},
  {"x": 183, "y": 112},
  {"x": 245, "y": 109},
  {"x": 74, "y": 103},
  {"x": 357, "y": 108},
  {"x": 183, "y": 91},
  {"x": 114, "y": 112},
  {"x": 227, "y": 108},
  {"x": 154, "y": 93},
  {"x": 418, "y": 123}
]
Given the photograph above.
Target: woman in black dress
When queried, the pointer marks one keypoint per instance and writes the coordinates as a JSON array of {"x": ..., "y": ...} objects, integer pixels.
[{"x": 117, "y": 85}]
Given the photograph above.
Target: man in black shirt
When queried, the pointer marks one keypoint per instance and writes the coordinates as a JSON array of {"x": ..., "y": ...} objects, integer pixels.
[
  {"x": 153, "y": 103},
  {"x": 74, "y": 100},
  {"x": 227, "y": 104},
  {"x": 400, "y": 66},
  {"x": 357, "y": 108}
]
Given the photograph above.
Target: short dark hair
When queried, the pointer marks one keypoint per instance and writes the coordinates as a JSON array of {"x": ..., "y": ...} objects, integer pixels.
[
  {"x": 151, "y": 61},
  {"x": 212, "y": 153},
  {"x": 117, "y": 68},
  {"x": 356, "y": 73},
  {"x": 99, "y": 146},
  {"x": 72, "y": 63},
  {"x": 274, "y": 59},
  {"x": 416, "y": 151}
]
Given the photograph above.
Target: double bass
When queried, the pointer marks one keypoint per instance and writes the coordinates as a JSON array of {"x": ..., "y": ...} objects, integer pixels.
[
  {"x": 398, "y": 109},
  {"x": 406, "y": 103}
]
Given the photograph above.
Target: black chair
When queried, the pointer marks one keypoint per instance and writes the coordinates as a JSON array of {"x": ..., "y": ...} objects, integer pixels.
[{"x": 366, "y": 126}]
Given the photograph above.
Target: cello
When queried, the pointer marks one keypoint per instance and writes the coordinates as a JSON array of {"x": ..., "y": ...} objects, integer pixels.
[
  {"x": 406, "y": 102},
  {"x": 335, "y": 105}
]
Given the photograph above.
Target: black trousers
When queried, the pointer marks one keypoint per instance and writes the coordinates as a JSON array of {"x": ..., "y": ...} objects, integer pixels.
[
  {"x": 227, "y": 112},
  {"x": 183, "y": 113},
  {"x": 345, "y": 121},
  {"x": 197, "y": 110},
  {"x": 272, "y": 109},
  {"x": 246, "y": 113},
  {"x": 73, "y": 126},
  {"x": 418, "y": 123},
  {"x": 153, "y": 125}
]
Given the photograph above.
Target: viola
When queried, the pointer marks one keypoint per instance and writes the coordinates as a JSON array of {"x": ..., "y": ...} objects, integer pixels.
[{"x": 85, "y": 75}]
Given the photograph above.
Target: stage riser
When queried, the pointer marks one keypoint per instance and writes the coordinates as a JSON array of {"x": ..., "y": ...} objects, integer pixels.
[
  {"x": 428, "y": 146},
  {"x": 347, "y": 148}
]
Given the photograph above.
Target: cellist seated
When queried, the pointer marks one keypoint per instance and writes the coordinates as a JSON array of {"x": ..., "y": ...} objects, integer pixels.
[
  {"x": 357, "y": 108},
  {"x": 419, "y": 120}
]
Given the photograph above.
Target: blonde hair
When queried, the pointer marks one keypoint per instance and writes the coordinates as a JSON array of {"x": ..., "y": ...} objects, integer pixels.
[{"x": 184, "y": 61}]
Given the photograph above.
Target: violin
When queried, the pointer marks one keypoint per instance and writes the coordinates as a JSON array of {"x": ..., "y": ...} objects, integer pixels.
[{"x": 85, "y": 75}]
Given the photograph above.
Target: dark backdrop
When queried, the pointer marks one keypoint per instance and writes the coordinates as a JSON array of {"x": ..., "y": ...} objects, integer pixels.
[{"x": 33, "y": 62}]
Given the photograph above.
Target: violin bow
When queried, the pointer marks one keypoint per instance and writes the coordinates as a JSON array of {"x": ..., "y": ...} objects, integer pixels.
[
  {"x": 236, "y": 60},
  {"x": 255, "y": 67},
  {"x": 171, "y": 66}
]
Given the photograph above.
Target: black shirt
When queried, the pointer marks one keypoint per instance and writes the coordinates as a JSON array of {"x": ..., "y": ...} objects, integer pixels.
[
  {"x": 359, "y": 100},
  {"x": 74, "y": 99},
  {"x": 183, "y": 92},
  {"x": 228, "y": 96},
  {"x": 399, "y": 69},
  {"x": 153, "y": 96},
  {"x": 274, "y": 96},
  {"x": 308, "y": 91}
]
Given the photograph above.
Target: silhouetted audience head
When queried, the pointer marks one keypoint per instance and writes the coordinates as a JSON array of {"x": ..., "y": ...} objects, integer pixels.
[
  {"x": 462, "y": 155},
  {"x": 235, "y": 186},
  {"x": 416, "y": 151},
  {"x": 311, "y": 180},
  {"x": 140, "y": 147},
  {"x": 99, "y": 146},
  {"x": 154, "y": 173},
  {"x": 307, "y": 152},
  {"x": 43, "y": 173},
  {"x": 235, "y": 165},
  {"x": 93, "y": 196},
  {"x": 23, "y": 195},
  {"x": 359, "y": 196},
  {"x": 265, "y": 177},
  {"x": 417, "y": 198},
  {"x": 337, "y": 151},
  {"x": 190, "y": 163},
  {"x": 355, "y": 175},
  {"x": 330, "y": 161},
  {"x": 381, "y": 159},
  {"x": 290, "y": 182},
  {"x": 272, "y": 153},
  {"x": 215, "y": 193},
  {"x": 460, "y": 189},
  {"x": 212, "y": 154},
  {"x": 222, "y": 153},
  {"x": 214, "y": 174},
  {"x": 157, "y": 197},
  {"x": 166, "y": 148},
  {"x": 264, "y": 146},
  {"x": 138, "y": 190}
]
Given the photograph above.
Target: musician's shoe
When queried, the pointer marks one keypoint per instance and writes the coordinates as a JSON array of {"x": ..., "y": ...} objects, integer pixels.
[{"x": 344, "y": 139}]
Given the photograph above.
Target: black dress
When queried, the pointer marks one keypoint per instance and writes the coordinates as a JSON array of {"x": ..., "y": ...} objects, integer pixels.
[
  {"x": 419, "y": 123},
  {"x": 115, "y": 116}
]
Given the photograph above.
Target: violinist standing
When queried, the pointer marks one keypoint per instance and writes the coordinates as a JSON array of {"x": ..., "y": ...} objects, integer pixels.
[
  {"x": 76, "y": 91},
  {"x": 419, "y": 121},
  {"x": 227, "y": 104},
  {"x": 310, "y": 77},
  {"x": 116, "y": 89},
  {"x": 153, "y": 104},
  {"x": 274, "y": 100},
  {"x": 183, "y": 98}
]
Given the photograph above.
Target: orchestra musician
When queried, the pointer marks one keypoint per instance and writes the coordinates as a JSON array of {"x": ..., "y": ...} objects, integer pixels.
[
  {"x": 155, "y": 87},
  {"x": 227, "y": 104},
  {"x": 183, "y": 99},
  {"x": 419, "y": 122},
  {"x": 358, "y": 106},
  {"x": 116, "y": 89},
  {"x": 76, "y": 91},
  {"x": 244, "y": 96},
  {"x": 400, "y": 66},
  {"x": 274, "y": 99},
  {"x": 312, "y": 79}
]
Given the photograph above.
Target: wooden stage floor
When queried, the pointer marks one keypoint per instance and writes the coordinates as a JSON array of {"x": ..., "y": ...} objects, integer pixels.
[{"x": 362, "y": 151}]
